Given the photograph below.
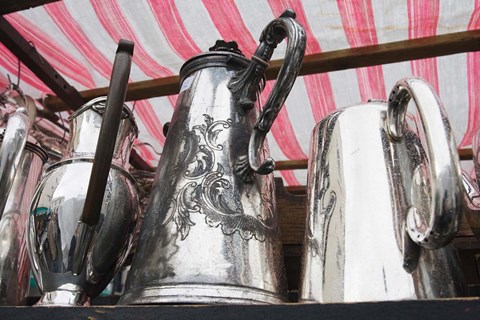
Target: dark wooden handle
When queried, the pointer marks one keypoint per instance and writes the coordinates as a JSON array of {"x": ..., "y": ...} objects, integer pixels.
[{"x": 108, "y": 132}]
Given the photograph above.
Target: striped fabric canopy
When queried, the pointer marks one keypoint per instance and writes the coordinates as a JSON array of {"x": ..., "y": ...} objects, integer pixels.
[{"x": 79, "y": 38}]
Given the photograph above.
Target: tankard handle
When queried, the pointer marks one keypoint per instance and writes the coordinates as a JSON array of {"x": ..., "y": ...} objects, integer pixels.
[
  {"x": 441, "y": 226},
  {"x": 245, "y": 87}
]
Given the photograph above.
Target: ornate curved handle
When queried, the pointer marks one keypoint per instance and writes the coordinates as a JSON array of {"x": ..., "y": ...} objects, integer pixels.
[
  {"x": 245, "y": 85},
  {"x": 438, "y": 227}
]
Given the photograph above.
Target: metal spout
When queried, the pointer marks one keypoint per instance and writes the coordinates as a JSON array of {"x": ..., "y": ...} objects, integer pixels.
[
  {"x": 104, "y": 153},
  {"x": 14, "y": 141}
]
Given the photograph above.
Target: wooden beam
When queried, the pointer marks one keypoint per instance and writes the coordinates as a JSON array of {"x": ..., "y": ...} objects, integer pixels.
[
  {"x": 9, "y": 6},
  {"x": 406, "y": 50},
  {"x": 291, "y": 164},
  {"x": 29, "y": 55},
  {"x": 464, "y": 154}
]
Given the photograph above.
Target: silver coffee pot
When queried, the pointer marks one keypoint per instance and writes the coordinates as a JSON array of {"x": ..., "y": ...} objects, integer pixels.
[
  {"x": 21, "y": 162},
  {"x": 210, "y": 233},
  {"x": 384, "y": 202},
  {"x": 85, "y": 209}
]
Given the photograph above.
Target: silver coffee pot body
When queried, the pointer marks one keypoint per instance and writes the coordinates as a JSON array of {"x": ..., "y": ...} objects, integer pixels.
[
  {"x": 211, "y": 233},
  {"x": 21, "y": 162},
  {"x": 384, "y": 202},
  {"x": 14, "y": 262},
  {"x": 57, "y": 208}
]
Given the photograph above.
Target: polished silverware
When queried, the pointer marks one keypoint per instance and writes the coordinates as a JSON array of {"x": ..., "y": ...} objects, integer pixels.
[
  {"x": 77, "y": 241},
  {"x": 21, "y": 163},
  {"x": 384, "y": 202},
  {"x": 472, "y": 191},
  {"x": 210, "y": 233}
]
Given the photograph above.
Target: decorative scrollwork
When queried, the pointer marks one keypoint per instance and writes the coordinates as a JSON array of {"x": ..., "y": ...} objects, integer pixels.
[
  {"x": 328, "y": 197},
  {"x": 211, "y": 129},
  {"x": 185, "y": 204},
  {"x": 223, "y": 208},
  {"x": 206, "y": 188}
]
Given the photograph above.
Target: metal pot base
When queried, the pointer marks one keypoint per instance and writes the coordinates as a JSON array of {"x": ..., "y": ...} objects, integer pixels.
[
  {"x": 64, "y": 298},
  {"x": 200, "y": 294}
]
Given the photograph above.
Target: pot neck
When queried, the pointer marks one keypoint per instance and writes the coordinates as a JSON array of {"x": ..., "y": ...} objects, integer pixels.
[{"x": 85, "y": 129}]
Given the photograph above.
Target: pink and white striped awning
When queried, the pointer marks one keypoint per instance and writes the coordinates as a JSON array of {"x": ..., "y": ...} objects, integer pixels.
[{"x": 79, "y": 38}]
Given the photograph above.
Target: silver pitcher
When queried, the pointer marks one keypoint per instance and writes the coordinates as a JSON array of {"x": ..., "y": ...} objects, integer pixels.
[
  {"x": 210, "y": 233},
  {"x": 21, "y": 163},
  {"x": 384, "y": 202},
  {"x": 77, "y": 242}
]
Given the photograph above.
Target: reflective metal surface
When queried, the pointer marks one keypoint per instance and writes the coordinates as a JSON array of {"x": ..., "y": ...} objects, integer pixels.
[
  {"x": 13, "y": 144},
  {"x": 472, "y": 203},
  {"x": 58, "y": 204},
  {"x": 14, "y": 263},
  {"x": 210, "y": 233},
  {"x": 20, "y": 169},
  {"x": 472, "y": 191},
  {"x": 368, "y": 173}
]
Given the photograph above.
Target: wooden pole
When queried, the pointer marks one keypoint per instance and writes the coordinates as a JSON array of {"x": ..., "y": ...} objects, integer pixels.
[{"x": 406, "y": 50}]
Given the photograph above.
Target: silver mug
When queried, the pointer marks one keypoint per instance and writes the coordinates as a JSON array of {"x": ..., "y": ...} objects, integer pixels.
[{"x": 384, "y": 202}]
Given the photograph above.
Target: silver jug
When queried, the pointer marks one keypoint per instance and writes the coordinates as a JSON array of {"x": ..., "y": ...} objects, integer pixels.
[
  {"x": 384, "y": 202},
  {"x": 21, "y": 163},
  {"x": 210, "y": 233},
  {"x": 77, "y": 242}
]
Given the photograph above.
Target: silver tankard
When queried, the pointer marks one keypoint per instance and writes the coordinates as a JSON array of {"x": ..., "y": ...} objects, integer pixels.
[
  {"x": 384, "y": 202},
  {"x": 210, "y": 233},
  {"x": 77, "y": 242},
  {"x": 21, "y": 162}
]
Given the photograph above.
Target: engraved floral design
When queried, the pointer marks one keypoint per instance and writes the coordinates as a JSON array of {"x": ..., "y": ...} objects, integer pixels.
[
  {"x": 223, "y": 208},
  {"x": 323, "y": 204},
  {"x": 206, "y": 188}
]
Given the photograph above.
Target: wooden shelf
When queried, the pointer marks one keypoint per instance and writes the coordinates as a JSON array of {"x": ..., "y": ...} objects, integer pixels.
[{"x": 451, "y": 309}]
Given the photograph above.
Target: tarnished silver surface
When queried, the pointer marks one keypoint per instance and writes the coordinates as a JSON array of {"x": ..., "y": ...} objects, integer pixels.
[
  {"x": 210, "y": 233},
  {"x": 57, "y": 206},
  {"x": 363, "y": 184},
  {"x": 14, "y": 263}
]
